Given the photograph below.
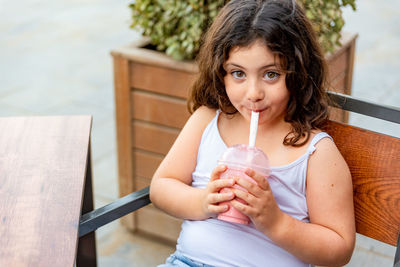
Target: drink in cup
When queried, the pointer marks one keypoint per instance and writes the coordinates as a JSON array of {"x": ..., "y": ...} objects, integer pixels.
[{"x": 238, "y": 158}]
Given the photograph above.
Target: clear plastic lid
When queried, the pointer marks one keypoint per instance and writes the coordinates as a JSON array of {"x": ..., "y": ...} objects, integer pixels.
[{"x": 243, "y": 156}]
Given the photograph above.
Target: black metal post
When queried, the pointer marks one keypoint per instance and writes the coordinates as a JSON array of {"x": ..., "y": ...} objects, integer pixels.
[
  {"x": 86, "y": 254},
  {"x": 397, "y": 255}
]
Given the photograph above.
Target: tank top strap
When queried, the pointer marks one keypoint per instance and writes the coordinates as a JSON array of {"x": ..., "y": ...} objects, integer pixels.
[
  {"x": 315, "y": 140},
  {"x": 211, "y": 130},
  {"x": 214, "y": 121}
]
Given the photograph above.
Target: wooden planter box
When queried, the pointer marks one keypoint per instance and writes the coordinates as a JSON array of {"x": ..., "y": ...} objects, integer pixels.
[{"x": 150, "y": 99}]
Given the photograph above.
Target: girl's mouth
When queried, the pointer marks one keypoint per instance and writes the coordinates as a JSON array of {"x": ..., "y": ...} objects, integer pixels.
[{"x": 258, "y": 110}]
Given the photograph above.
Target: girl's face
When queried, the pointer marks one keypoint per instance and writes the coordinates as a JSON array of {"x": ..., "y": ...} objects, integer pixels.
[{"x": 254, "y": 81}]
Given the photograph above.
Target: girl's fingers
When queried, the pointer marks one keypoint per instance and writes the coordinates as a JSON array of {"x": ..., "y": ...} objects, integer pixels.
[
  {"x": 243, "y": 208},
  {"x": 217, "y": 172},
  {"x": 243, "y": 195},
  {"x": 219, "y": 202},
  {"x": 221, "y": 197},
  {"x": 222, "y": 183},
  {"x": 261, "y": 180},
  {"x": 216, "y": 184},
  {"x": 218, "y": 208},
  {"x": 248, "y": 185}
]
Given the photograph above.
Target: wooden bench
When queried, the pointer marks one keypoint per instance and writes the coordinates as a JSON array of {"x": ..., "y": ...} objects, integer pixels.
[{"x": 374, "y": 162}]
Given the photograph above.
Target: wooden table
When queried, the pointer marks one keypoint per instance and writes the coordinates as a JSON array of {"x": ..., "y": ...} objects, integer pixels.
[{"x": 45, "y": 184}]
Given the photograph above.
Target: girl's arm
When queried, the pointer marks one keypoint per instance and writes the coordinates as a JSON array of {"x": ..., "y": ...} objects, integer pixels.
[
  {"x": 329, "y": 238},
  {"x": 171, "y": 189}
]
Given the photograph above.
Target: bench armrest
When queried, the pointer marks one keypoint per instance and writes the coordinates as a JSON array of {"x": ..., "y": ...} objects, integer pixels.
[
  {"x": 90, "y": 221},
  {"x": 354, "y": 104}
]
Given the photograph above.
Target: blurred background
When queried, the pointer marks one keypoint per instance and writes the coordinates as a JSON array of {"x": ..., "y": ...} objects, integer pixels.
[{"x": 55, "y": 60}]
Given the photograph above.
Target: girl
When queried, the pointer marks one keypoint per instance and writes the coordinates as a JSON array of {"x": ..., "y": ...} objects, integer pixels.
[{"x": 262, "y": 56}]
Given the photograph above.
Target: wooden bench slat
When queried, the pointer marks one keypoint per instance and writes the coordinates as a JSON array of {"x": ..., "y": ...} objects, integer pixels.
[{"x": 374, "y": 162}]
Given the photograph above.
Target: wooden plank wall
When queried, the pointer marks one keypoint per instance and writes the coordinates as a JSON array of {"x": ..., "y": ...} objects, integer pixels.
[
  {"x": 340, "y": 73},
  {"x": 158, "y": 96}
]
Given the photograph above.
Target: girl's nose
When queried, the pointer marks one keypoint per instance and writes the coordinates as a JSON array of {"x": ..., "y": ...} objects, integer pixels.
[{"x": 255, "y": 92}]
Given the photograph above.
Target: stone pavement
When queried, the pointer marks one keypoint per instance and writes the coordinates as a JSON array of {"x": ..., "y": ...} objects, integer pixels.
[{"x": 55, "y": 60}]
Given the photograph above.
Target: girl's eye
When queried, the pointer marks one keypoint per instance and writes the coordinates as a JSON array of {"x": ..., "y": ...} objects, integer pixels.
[
  {"x": 271, "y": 75},
  {"x": 237, "y": 74}
]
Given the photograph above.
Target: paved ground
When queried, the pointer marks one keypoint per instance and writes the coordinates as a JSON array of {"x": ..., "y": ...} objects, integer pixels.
[{"x": 55, "y": 59}]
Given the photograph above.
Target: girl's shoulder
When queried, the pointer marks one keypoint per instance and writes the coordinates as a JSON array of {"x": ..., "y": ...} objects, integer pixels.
[
  {"x": 203, "y": 115},
  {"x": 325, "y": 147},
  {"x": 320, "y": 138},
  {"x": 198, "y": 121}
]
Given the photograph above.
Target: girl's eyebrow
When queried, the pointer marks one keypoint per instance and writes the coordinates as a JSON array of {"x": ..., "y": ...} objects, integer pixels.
[{"x": 239, "y": 66}]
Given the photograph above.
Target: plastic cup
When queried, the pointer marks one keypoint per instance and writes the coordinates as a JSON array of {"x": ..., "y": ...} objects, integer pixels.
[{"x": 238, "y": 158}]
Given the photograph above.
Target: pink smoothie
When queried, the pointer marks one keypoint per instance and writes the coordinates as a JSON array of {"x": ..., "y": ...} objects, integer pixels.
[
  {"x": 232, "y": 214},
  {"x": 238, "y": 158}
]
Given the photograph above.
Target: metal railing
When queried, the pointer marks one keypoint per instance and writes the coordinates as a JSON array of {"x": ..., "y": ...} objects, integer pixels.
[
  {"x": 357, "y": 105},
  {"x": 90, "y": 221}
]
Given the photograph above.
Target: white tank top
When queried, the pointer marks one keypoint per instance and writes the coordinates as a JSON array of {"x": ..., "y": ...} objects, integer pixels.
[{"x": 219, "y": 243}]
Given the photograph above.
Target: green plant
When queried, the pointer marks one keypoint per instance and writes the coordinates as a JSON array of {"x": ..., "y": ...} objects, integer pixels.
[
  {"x": 176, "y": 26},
  {"x": 327, "y": 19}
]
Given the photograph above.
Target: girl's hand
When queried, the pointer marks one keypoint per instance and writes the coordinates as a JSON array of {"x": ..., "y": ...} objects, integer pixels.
[
  {"x": 261, "y": 206},
  {"x": 211, "y": 196}
]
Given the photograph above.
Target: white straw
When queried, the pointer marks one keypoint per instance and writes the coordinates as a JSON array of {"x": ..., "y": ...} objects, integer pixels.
[{"x": 253, "y": 128}]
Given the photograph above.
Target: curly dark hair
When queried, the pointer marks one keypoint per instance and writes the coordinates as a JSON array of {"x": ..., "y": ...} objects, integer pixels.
[{"x": 287, "y": 32}]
